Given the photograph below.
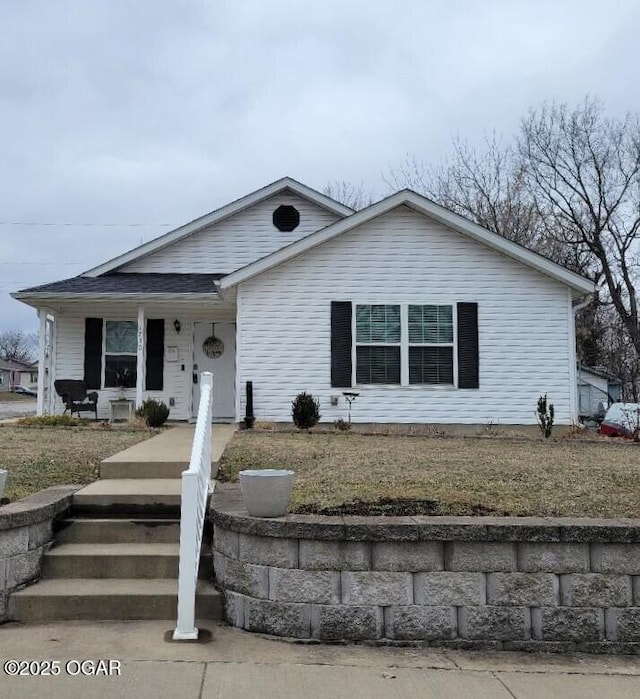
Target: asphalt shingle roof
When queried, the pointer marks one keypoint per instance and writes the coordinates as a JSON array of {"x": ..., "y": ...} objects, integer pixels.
[{"x": 132, "y": 283}]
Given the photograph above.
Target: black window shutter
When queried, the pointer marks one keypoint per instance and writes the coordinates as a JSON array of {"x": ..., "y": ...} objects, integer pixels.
[
  {"x": 93, "y": 352},
  {"x": 155, "y": 354},
  {"x": 468, "y": 349},
  {"x": 341, "y": 344}
]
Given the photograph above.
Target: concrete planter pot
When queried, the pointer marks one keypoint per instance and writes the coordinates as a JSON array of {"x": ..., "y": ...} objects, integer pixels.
[
  {"x": 3, "y": 479},
  {"x": 266, "y": 492}
]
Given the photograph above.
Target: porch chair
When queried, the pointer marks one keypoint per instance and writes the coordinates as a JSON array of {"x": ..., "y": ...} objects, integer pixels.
[{"x": 75, "y": 397}]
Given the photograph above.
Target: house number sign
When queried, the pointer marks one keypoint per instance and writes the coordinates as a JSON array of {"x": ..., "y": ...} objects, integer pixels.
[{"x": 212, "y": 346}]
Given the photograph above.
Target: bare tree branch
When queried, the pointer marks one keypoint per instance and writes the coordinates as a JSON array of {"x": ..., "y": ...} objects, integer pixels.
[{"x": 18, "y": 345}]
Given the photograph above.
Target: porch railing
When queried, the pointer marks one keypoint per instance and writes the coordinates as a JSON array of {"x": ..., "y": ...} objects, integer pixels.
[{"x": 196, "y": 486}]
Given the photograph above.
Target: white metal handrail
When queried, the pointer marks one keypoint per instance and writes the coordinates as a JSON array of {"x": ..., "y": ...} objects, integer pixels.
[{"x": 196, "y": 486}]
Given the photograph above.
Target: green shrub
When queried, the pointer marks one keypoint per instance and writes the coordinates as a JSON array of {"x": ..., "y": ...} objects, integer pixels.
[
  {"x": 305, "y": 411},
  {"x": 544, "y": 414},
  {"x": 53, "y": 421},
  {"x": 153, "y": 412}
]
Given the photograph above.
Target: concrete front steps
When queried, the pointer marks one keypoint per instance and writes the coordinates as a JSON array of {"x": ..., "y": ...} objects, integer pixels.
[
  {"x": 116, "y": 557},
  {"x": 94, "y": 599}
]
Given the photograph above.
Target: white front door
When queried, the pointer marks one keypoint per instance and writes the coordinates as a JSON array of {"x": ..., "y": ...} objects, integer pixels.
[{"x": 223, "y": 368}]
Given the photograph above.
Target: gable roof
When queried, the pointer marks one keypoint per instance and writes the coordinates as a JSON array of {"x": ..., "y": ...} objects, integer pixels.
[
  {"x": 277, "y": 187},
  {"x": 14, "y": 365},
  {"x": 425, "y": 206}
]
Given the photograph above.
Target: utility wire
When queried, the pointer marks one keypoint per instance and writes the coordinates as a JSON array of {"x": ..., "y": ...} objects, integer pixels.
[{"x": 88, "y": 225}]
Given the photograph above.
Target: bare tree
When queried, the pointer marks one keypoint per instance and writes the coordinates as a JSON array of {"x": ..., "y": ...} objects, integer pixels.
[
  {"x": 485, "y": 186},
  {"x": 582, "y": 171},
  {"x": 568, "y": 186},
  {"x": 352, "y": 195},
  {"x": 18, "y": 345}
]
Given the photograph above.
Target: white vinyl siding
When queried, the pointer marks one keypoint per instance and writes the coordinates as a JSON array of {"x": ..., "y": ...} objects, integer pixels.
[
  {"x": 237, "y": 240},
  {"x": 405, "y": 258}
]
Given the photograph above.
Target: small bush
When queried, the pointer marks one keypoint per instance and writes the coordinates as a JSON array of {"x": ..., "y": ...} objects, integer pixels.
[
  {"x": 305, "y": 411},
  {"x": 342, "y": 425},
  {"x": 53, "y": 421},
  {"x": 544, "y": 414},
  {"x": 154, "y": 412}
]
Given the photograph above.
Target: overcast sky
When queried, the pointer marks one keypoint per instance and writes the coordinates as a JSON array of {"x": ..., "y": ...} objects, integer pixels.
[{"x": 158, "y": 111}]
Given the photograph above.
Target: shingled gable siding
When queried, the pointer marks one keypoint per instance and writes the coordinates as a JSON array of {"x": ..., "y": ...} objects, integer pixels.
[
  {"x": 236, "y": 241},
  {"x": 402, "y": 257}
]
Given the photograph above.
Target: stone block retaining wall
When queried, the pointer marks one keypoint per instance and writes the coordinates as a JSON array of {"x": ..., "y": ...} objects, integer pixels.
[
  {"x": 512, "y": 583},
  {"x": 26, "y": 532}
]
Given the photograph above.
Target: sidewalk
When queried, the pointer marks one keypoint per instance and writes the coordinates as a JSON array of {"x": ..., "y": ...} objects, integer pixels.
[
  {"x": 237, "y": 665},
  {"x": 174, "y": 445}
]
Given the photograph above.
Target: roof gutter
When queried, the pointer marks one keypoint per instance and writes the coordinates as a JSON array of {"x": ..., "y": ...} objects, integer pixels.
[{"x": 35, "y": 299}]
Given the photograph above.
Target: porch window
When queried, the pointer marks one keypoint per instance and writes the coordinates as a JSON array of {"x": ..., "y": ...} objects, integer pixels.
[{"x": 120, "y": 353}]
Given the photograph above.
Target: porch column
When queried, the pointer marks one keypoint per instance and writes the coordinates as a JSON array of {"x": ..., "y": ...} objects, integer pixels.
[
  {"x": 140, "y": 368},
  {"x": 42, "y": 354}
]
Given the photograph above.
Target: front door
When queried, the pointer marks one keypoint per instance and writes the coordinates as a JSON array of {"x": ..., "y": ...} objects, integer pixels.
[{"x": 222, "y": 367}]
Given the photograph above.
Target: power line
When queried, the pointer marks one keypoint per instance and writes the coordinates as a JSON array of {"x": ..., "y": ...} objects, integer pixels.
[{"x": 88, "y": 225}]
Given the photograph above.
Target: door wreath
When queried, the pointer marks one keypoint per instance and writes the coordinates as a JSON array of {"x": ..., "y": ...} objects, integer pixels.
[{"x": 212, "y": 346}]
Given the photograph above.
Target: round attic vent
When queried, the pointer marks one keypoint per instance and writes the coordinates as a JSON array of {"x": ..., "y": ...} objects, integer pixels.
[{"x": 286, "y": 218}]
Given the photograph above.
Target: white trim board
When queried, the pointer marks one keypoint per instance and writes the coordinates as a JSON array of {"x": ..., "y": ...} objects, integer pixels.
[{"x": 422, "y": 205}]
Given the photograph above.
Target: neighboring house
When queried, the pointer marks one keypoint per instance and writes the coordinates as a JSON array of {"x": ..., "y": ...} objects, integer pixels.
[
  {"x": 596, "y": 388},
  {"x": 431, "y": 318},
  {"x": 12, "y": 372}
]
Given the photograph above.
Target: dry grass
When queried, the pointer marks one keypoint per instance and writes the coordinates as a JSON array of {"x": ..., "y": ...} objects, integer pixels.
[
  {"x": 470, "y": 475},
  {"x": 8, "y": 397},
  {"x": 39, "y": 457}
]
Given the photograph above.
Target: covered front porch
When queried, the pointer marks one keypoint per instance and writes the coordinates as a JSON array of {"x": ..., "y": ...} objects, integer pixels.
[{"x": 131, "y": 352}]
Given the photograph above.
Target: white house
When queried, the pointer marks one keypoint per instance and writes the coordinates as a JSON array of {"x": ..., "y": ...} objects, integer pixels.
[{"x": 428, "y": 316}]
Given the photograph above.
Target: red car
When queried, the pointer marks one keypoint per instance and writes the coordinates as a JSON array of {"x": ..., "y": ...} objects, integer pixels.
[{"x": 621, "y": 420}]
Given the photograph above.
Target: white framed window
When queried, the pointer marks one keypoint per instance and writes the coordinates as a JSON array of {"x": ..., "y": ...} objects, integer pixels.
[
  {"x": 404, "y": 344},
  {"x": 378, "y": 343},
  {"x": 430, "y": 348},
  {"x": 120, "y": 353}
]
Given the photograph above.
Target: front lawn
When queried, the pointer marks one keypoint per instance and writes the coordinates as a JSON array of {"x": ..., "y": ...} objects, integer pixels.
[
  {"x": 374, "y": 474},
  {"x": 39, "y": 457},
  {"x": 8, "y": 397}
]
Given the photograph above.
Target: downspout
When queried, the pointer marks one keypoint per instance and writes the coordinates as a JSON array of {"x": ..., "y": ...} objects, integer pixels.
[{"x": 586, "y": 300}]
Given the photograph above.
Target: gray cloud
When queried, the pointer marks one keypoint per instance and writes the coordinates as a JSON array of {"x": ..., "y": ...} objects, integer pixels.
[{"x": 159, "y": 111}]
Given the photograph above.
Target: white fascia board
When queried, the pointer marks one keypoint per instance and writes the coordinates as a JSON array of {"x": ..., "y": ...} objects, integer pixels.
[
  {"x": 218, "y": 215},
  {"x": 36, "y": 299},
  {"x": 424, "y": 206}
]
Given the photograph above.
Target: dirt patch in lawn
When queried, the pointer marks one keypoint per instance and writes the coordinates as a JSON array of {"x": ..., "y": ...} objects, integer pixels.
[
  {"x": 39, "y": 457},
  {"x": 346, "y": 473},
  {"x": 399, "y": 507}
]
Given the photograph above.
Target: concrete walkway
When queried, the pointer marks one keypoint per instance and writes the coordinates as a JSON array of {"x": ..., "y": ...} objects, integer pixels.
[
  {"x": 238, "y": 665},
  {"x": 146, "y": 476},
  {"x": 173, "y": 446}
]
